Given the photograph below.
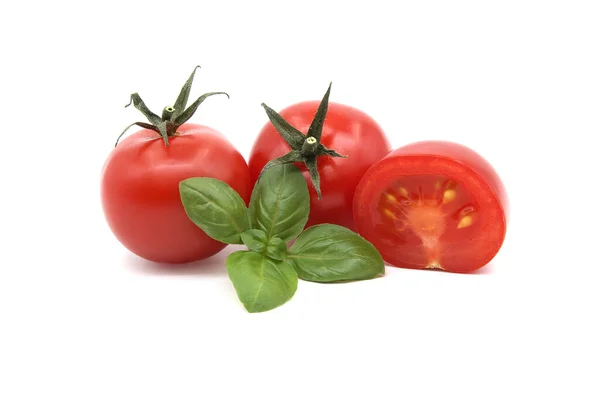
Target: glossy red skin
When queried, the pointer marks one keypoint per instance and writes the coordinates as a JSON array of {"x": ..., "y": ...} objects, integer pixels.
[
  {"x": 347, "y": 130},
  {"x": 438, "y": 158},
  {"x": 140, "y": 190}
]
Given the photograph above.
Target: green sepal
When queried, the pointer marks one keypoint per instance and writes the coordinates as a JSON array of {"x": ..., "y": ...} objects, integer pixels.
[
  {"x": 187, "y": 114},
  {"x": 315, "y": 178},
  {"x": 140, "y": 124},
  {"x": 139, "y": 104},
  {"x": 290, "y": 157},
  {"x": 183, "y": 96},
  {"x": 290, "y": 134},
  {"x": 316, "y": 127}
]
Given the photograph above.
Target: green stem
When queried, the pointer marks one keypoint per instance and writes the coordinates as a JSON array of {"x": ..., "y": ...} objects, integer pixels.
[
  {"x": 310, "y": 147},
  {"x": 168, "y": 113}
]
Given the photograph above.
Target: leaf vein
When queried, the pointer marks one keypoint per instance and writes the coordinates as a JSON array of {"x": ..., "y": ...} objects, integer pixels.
[
  {"x": 208, "y": 199},
  {"x": 262, "y": 281},
  {"x": 276, "y": 210}
]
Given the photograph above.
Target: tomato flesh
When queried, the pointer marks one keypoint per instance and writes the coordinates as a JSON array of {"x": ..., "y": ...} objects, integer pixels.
[{"x": 433, "y": 205}]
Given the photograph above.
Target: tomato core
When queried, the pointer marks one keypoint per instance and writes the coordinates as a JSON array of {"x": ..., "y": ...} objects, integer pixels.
[{"x": 427, "y": 211}]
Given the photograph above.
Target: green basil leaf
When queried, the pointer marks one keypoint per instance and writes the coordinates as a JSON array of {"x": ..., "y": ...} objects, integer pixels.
[
  {"x": 261, "y": 283},
  {"x": 276, "y": 249},
  {"x": 215, "y": 207},
  {"x": 280, "y": 202},
  {"x": 255, "y": 240},
  {"x": 328, "y": 253}
]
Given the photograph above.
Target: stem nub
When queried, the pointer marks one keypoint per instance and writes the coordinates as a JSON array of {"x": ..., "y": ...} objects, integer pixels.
[
  {"x": 168, "y": 113},
  {"x": 310, "y": 147}
]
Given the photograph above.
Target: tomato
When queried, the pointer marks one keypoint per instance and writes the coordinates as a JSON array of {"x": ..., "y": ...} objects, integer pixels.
[
  {"x": 346, "y": 130},
  {"x": 433, "y": 205},
  {"x": 140, "y": 190},
  {"x": 140, "y": 181}
]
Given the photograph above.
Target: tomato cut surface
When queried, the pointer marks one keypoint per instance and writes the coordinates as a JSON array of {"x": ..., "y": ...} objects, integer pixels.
[{"x": 433, "y": 205}]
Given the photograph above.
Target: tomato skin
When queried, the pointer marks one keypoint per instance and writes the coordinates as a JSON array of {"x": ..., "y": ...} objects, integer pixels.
[
  {"x": 346, "y": 130},
  {"x": 140, "y": 190},
  {"x": 457, "y": 162}
]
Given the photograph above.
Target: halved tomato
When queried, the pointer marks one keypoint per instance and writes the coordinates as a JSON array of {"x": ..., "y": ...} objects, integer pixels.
[{"x": 433, "y": 205}]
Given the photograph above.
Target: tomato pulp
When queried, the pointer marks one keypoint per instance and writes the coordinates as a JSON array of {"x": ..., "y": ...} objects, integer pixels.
[
  {"x": 433, "y": 205},
  {"x": 346, "y": 130},
  {"x": 140, "y": 190}
]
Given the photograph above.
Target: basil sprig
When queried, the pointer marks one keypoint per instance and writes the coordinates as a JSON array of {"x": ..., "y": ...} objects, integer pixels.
[{"x": 266, "y": 276}]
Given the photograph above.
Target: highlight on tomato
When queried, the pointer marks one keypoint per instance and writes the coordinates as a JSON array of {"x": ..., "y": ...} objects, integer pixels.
[
  {"x": 433, "y": 205},
  {"x": 333, "y": 144},
  {"x": 140, "y": 181}
]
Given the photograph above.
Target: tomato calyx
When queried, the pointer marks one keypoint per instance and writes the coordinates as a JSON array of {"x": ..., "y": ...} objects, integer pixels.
[
  {"x": 305, "y": 148},
  {"x": 173, "y": 116}
]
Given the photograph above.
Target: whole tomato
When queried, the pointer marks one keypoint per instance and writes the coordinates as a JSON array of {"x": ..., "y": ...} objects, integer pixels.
[
  {"x": 433, "y": 205},
  {"x": 333, "y": 144},
  {"x": 140, "y": 182}
]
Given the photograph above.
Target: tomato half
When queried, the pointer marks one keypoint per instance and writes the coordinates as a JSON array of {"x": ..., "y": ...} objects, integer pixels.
[
  {"x": 433, "y": 205},
  {"x": 346, "y": 130},
  {"x": 140, "y": 190}
]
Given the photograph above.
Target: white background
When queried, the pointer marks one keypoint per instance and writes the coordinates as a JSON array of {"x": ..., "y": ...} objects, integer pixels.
[{"x": 518, "y": 81}]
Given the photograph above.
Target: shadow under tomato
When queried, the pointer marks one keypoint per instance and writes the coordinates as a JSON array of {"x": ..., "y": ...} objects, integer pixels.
[
  {"x": 487, "y": 269},
  {"x": 212, "y": 266}
]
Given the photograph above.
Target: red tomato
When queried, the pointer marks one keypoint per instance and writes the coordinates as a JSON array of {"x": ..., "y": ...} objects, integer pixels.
[
  {"x": 140, "y": 190},
  {"x": 433, "y": 205},
  {"x": 346, "y": 130}
]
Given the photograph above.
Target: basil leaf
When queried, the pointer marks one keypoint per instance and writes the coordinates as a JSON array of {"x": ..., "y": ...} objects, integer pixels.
[
  {"x": 276, "y": 249},
  {"x": 280, "y": 202},
  {"x": 328, "y": 253},
  {"x": 215, "y": 207},
  {"x": 261, "y": 283},
  {"x": 255, "y": 240}
]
